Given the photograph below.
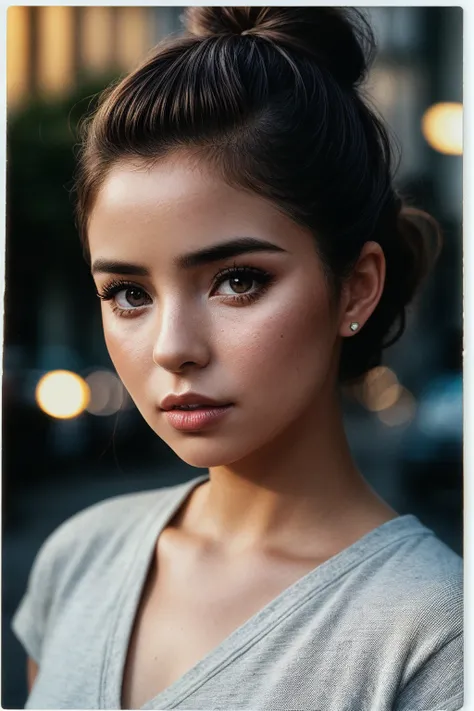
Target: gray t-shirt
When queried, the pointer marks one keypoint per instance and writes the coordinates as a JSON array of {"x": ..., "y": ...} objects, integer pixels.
[{"x": 378, "y": 627}]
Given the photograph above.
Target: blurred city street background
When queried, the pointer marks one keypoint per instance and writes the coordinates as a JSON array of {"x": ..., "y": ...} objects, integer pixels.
[{"x": 71, "y": 439}]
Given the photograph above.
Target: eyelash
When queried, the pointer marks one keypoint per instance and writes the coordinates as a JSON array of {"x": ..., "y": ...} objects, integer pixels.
[{"x": 263, "y": 278}]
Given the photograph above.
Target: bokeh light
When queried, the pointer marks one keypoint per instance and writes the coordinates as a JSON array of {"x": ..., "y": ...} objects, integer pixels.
[
  {"x": 107, "y": 393},
  {"x": 442, "y": 127},
  {"x": 380, "y": 389},
  {"x": 62, "y": 394},
  {"x": 401, "y": 412}
]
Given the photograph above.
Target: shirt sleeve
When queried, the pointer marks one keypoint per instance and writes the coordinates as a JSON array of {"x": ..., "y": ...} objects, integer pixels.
[
  {"x": 62, "y": 557},
  {"x": 438, "y": 685},
  {"x": 31, "y": 617}
]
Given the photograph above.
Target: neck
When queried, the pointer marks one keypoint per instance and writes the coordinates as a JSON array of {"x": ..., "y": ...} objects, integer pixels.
[{"x": 302, "y": 484}]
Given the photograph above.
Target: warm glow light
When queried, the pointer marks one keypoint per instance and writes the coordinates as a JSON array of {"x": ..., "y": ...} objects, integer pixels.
[
  {"x": 133, "y": 35},
  {"x": 402, "y": 411},
  {"x": 62, "y": 394},
  {"x": 55, "y": 48},
  {"x": 385, "y": 398},
  {"x": 18, "y": 52},
  {"x": 380, "y": 389},
  {"x": 107, "y": 393},
  {"x": 442, "y": 126},
  {"x": 97, "y": 37}
]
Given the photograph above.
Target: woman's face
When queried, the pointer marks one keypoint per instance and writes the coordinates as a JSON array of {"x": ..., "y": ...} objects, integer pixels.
[{"x": 253, "y": 328}]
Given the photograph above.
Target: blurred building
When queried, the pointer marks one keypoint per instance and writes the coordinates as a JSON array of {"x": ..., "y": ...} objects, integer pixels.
[{"x": 51, "y": 48}]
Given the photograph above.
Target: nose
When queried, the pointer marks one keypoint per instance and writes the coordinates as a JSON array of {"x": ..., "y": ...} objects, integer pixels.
[{"x": 181, "y": 340}]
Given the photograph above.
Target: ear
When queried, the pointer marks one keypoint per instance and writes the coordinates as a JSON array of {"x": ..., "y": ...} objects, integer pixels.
[{"x": 362, "y": 290}]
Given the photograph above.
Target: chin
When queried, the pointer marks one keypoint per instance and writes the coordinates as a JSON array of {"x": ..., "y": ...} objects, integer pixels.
[
  {"x": 206, "y": 450},
  {"x": 204, "y": 454},
  {"x": 216, "y": 448}
]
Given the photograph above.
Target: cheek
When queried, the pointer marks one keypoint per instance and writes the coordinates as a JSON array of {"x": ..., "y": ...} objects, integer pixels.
[
  {"x": 294, "y": 339},
  {"x": 129, "y": 353}
]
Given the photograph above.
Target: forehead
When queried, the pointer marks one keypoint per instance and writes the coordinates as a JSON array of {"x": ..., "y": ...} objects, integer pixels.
[
  {"x": 135, "y": 184},
  {"x": 176, "y": 205}
]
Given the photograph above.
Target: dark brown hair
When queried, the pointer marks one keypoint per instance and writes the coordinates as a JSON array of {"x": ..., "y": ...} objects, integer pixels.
[{"x": 271, "y": 98}]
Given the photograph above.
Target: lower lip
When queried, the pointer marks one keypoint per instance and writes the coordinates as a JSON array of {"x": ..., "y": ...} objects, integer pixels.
[{"x": 192, "y": 420}]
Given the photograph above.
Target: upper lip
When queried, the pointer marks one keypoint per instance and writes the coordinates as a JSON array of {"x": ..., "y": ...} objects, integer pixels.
[{"x": 171, "y": 401}]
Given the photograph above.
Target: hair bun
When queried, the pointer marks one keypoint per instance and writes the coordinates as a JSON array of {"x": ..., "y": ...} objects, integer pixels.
[
  {"x": 207, "y": 21},
  {"x": 339, "y": 39}
]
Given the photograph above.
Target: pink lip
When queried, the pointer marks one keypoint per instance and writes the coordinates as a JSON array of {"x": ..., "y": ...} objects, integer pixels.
[
  {"x": 190, "y": 398},
  {"x": 192, "y": 420}
]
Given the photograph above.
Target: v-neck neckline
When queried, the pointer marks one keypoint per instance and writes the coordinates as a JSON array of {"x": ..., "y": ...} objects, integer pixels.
[{"x": 247, "y": 634}]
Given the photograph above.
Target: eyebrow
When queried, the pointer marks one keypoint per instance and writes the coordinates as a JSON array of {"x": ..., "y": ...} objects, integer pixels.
[{"x": 241, "y": 245}]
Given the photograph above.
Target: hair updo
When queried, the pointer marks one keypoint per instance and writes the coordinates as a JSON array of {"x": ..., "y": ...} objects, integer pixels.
[{"x": 269, "y": 96}]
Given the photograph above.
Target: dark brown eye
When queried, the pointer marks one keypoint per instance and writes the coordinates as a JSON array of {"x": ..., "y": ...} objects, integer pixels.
[
  {"x": 239, "y": 284},
  {"x": 134, "y": 296},
  {"x": 242, "y": 284},
  {"x": 131, "y": 297}
]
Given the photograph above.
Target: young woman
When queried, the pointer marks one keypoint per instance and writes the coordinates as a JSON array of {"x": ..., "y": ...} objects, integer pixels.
[{"x": 251, "y": 254}]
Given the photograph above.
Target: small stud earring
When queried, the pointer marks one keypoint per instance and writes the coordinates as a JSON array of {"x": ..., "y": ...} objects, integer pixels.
[{"x": 354, "y": 326}]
